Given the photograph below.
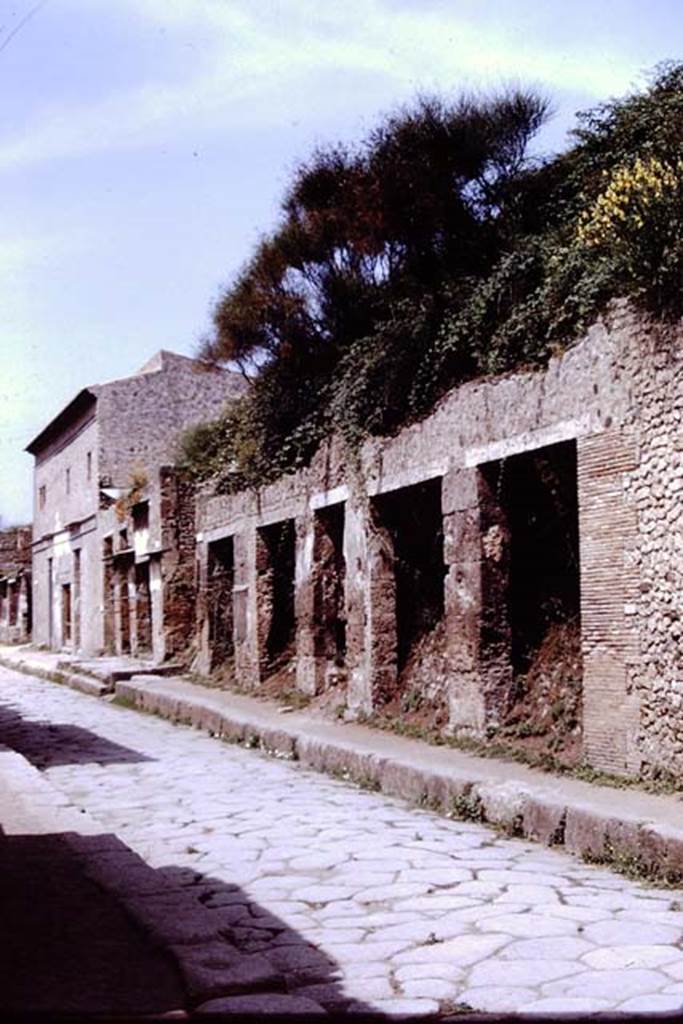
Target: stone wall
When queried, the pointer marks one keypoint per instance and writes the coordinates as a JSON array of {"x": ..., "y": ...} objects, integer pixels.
[
  {"x": 141, "y": 416},
  {"x": 15, "y": 584},
  {"x": 610, "y": 407},
  {"x": 653, "y": 557}
]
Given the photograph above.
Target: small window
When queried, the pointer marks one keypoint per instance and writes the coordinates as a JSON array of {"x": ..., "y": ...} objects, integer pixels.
[
  {"x": 123, "y": 539},
  {"x": 42, "y": 496},
  {"x": 68, "y": 481},
  {"x": 88, "y": 466}
]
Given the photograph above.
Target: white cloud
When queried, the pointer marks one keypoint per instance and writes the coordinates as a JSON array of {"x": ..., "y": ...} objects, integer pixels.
[{"x": 253, "y": 53}]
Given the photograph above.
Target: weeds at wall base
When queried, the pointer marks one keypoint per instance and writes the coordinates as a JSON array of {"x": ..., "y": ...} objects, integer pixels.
[
  {"x": 499, "y": 750},
  {"x": 634, "y": 867}
]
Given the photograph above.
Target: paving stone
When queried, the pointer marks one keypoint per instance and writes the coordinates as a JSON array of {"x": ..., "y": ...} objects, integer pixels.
[
  {"x": 520, "y": 877},
  {"x": 614, "y": 986},
  {"x": 363, "y": 969},
  {"x": 216, "y": 968},
  {"x": 534, "y": 895},
  {"x": 480, "y": 911},
  {"x": 433, "y": 971},
  {"x": 422, "y": 931},
  {"x": 615, "y": 957},
  {"x": 434, "y": 877},
  {"x": 527, "y": 925},
  {"x": 324, "y": 893},
  {"x": 462, "y": 951},
  {"x": 410, "y": 1008},
  {"x": 653, "y": 1003},
  {"x": 431, "y": 988},
  {"x": 495, "y": 1000},
  {"x": 377, "y": 949},
  {"x": 261, "y": 1005},
  {"x": 370, "y": 988},
  {"x": 380, "y": 893},
  {"x": 560, "y": 948},
  {"x": 579, "y": 914},
  {"x": 567, "y": 1005},
  {"x": 632, "y": 933},
  {"x": 525, "y": 973}
]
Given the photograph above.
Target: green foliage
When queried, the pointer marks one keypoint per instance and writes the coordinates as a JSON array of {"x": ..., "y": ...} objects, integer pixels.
[{"x": 436, "y": 252}]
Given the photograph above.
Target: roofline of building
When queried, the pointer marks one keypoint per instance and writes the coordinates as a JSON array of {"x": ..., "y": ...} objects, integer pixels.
[{"x": 84, "y": 398}]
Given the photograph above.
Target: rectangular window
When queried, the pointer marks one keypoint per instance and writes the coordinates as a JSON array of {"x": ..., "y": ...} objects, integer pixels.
[
  {"x": 42, "y": 496},
  {"x": 68, "y": 481},
  {"x": 88, "y": 466}
]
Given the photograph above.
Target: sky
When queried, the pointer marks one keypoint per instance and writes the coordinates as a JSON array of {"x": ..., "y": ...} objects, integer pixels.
[{"x": 145, "y": 145}]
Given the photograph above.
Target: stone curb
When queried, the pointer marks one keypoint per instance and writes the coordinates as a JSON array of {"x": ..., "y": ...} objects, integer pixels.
[
  {"x": 625, "y": 842},
  {"x": 85, "y": 684}
]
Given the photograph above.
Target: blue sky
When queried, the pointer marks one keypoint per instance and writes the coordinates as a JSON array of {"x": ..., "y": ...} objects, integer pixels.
[{"x": 144, "y": 145}]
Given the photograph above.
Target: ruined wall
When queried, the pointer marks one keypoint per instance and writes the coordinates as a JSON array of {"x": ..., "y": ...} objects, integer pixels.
[
  {"x": 15, "y": 584},
  {"x": 178, "y": 572},
  {"x": 607, "y": 414}
]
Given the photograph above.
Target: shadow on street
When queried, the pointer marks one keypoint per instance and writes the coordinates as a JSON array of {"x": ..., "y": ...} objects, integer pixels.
[
  {"x": 47, "y": 744},
  {"x": 90, "y": 930}
]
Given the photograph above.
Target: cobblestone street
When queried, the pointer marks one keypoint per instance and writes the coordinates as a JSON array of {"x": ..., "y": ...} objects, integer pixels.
[{"x": 360, "y": 900}]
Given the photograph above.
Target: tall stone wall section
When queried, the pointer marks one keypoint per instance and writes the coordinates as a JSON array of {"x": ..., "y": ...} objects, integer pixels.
[{"x": 655, "y": 491}]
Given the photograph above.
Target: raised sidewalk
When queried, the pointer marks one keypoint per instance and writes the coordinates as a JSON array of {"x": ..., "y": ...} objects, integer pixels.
[{"x": 630, "y": 829}]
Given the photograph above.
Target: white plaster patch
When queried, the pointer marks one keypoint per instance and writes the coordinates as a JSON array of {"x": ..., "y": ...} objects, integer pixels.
[
  {"x": 566, "y": 430},
  {"x": 416, "y": 475},
  {"x": 331, "y": 497}
]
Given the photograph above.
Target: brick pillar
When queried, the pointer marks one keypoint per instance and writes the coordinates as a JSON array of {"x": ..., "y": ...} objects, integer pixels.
[
  {"x": 463, "y": 599},
  {"x": 609, "y": 589}
]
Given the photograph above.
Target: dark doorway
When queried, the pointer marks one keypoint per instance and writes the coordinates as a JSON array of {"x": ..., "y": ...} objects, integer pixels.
[
  {"x": 220, "y": 583},
  {"x": 143, "y": 608},
  {"x": 413, "y": 520},
  {"x": 534, "y": 498},
  {"x": 275, "y": 555},
  {"x": 124, "y": 606},
  {"x": 329, "y": 614},
  {"x": 66, "y": 614}
]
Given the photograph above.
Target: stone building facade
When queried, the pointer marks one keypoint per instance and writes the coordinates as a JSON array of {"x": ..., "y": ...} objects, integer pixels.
[
  {"x": 15, "y": 584},
  {"x": 110, "y": 516},
  {"x": 438, "y": 559}
]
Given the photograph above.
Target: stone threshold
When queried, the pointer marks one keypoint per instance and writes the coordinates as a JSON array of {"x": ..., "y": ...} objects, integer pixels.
[{"x": 631, "y": 831}]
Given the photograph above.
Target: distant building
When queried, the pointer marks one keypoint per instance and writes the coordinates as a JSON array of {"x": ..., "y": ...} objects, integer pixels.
[
  {"x": 15, "y": 584},
  {"x": 111, "y": 516}
]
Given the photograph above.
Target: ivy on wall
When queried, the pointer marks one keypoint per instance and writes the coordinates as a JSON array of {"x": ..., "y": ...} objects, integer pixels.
[{"x": 435, "y": 252}]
